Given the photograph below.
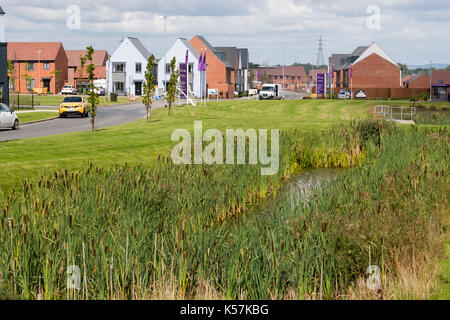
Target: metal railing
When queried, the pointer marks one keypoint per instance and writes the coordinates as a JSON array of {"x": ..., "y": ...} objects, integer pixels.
[
  {"x": 23, "y": 101},
  {"x": 394, "y": 113}
]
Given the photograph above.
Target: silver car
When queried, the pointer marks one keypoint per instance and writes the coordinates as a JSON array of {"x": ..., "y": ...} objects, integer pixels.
[{"x": 8, "y": 118}]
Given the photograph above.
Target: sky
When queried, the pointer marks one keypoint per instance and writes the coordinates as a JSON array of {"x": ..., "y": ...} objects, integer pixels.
[{"x": 410, "y": 31}]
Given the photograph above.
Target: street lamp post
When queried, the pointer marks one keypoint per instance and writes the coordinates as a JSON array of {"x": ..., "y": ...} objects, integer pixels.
[
  {"x": 431, "y": 81},
  {"x": 283, "y": 65},
  {"x": 165, "y": 53},
  {"x": 39, "y": 71}
]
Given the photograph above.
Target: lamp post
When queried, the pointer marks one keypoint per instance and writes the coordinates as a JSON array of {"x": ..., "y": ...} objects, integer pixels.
[
  {"x": 282, "y": 44},
  {"x": 165, "y": 53},
  {"x": 39, "y": 71},
  {"x": 431, "y": 80}
]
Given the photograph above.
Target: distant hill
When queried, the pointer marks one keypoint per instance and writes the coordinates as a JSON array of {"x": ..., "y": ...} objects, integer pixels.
[{"x": 427, "y": 66}]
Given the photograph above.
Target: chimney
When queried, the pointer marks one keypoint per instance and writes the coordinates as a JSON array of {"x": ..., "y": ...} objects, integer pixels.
[{"x": 2, "y": 25}]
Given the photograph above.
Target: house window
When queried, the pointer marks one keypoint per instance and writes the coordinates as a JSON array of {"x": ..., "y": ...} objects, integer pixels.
[
  {"x": 167, "y": 68},
  {"x": 118, "y": 67},
  {"x": 191, "y": 68},
  {"x": 30, "y": 83},
  {"x": 118, "y": 86},
  {"x": 30, "y": 66},
  {"x": 138, "y": 67},
  {"x": 46, "y": 66},
  {"x": 220, "y": 55}
]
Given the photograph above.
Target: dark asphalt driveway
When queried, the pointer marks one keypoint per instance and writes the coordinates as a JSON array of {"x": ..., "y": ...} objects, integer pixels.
[{"x": 106, "y": 117}]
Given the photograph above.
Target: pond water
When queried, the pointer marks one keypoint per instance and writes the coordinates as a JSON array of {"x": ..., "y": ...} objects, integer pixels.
[{"x": 298, "y": 189}]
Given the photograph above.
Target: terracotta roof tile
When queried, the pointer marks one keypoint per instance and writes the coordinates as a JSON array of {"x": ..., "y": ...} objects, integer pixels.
[
  {"x": 28, "y": 51},
  {"x": 98, "y": 59}
]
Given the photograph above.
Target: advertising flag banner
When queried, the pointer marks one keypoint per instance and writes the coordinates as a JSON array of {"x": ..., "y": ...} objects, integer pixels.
[
  {"x": 321, "y": 84},
  {"x": 183, "y": 78}
]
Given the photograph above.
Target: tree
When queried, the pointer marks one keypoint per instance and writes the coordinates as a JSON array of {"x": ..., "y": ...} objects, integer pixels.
[
  {"x": 149, "y": 86},
  {"x": 448, "y": 68},
  {"x": 93, "y": 99},
  {"x": 173, "y": 83},
  {"x": 404, "y": 68},
  {"x": 82, "y": 64},
  {"x": 11, "y": 73},
  {"x": 27, "y": 77},
  {"x": 56, "y": 74}
]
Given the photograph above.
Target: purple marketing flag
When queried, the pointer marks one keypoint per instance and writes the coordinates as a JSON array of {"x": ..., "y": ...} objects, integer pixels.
[
  {"x": 187, "y": 56},
  {"x": 351, "y": 71},
  {"x": 204, "y": 61},
  {"x": 257, "y": 75},
  {"x": 200, "y": 61}
]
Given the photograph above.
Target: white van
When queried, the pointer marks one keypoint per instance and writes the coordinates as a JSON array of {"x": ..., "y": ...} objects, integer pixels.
[{"x": 271, "y": 91}]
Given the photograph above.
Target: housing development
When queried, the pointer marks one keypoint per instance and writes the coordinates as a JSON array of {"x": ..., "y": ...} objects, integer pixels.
[{"x": 194, "y": 152}]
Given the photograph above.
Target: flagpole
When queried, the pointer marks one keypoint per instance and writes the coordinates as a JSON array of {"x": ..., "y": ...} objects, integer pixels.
[{"x": 351, "y": 81}]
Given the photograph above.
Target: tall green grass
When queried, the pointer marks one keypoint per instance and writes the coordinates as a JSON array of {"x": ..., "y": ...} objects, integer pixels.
[{"x": 168, "y": 232}]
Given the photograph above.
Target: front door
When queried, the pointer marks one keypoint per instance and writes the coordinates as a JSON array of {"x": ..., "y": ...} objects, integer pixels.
[
  {"x": 138, "y": 88},
  {"x": 46, "y": 84}
]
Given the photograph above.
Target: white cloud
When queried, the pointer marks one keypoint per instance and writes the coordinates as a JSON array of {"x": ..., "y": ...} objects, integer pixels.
[{"x": 260, "y": 25}]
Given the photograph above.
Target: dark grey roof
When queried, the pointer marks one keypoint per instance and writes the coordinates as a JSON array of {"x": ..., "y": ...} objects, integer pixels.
[
  {"x": 336, "y": 60},
  {"x": 230, "y": 54},
  {"x": 191, "y": 48},
  {"x": 359, "y": 51},
  {"x": 415, "y": 77},
  {"x": 1, "y": 11},
  {"x": 140, "y": 47}
]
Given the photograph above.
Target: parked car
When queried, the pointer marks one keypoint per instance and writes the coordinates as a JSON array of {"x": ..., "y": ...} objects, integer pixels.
[
  {"x": 100, "y": 91},
  {"x": 361, "y": 94},
  {"x": 271, "y": 91},
  {"x": 344, "y": 94},
  {"x": 68, "y": 89},
  {"x": 8, "y": 118},
  {"x": 73, "y": 105}
]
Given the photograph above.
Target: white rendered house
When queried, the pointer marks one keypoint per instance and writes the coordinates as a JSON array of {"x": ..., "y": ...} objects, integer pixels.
[
  {"x": 126, "y": 67},
  {"x": 178, "y": 50}
]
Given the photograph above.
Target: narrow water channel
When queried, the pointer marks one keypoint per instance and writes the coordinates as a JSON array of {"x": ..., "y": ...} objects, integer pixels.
[{"x": 298, "y": 189}]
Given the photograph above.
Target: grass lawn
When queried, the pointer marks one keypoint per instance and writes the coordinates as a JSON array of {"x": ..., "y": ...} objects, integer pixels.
[
  {"x": 55, "y": 100},
  {"x": 141, "y": 142},
  {"x": 34, "y": 116}
]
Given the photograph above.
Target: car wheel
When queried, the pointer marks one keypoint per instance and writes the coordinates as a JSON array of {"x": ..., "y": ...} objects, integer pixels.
[{"x": 16, "y": 125}]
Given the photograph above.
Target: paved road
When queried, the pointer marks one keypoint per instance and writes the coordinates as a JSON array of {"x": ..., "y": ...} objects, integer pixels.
[{"x": 106, "y": 117}]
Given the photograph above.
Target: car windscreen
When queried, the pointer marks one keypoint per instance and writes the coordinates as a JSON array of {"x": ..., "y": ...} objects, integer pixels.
[
  {"x": 4, "y": 108},
  {"x": 268, "y": 88},
  {"x": 72, "y": 99}
]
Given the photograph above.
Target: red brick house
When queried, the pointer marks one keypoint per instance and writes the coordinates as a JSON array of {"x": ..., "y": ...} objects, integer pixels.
[
  {"x": 99, "y": 60},
  {"x": 226, "y": 67},
  {"x": 440, "y": 84},
  {"x": 421, "y": 80},
  {"x": 294, "y": 76},
  {"x": 38, "y": 65},
  {"x": 366, "y": 67}
]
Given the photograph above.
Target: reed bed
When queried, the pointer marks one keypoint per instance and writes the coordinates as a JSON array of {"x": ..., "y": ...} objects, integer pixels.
[{"x": 177, "y": 232}]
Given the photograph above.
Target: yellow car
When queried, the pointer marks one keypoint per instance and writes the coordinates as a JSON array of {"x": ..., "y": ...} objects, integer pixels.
[{"x": 73, "y": 105}]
